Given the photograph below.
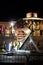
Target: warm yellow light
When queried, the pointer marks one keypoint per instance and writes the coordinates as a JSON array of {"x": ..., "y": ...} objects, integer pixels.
[
  {"x": 28, "y": 15},
  {"x": 35, "y": 15}
]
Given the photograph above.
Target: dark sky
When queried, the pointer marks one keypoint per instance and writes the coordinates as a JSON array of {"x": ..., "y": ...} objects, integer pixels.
[{"x": 18, "y": 8}]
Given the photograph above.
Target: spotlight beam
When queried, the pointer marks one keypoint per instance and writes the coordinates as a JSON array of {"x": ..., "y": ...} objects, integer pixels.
[{"x": 31, "y": 40}]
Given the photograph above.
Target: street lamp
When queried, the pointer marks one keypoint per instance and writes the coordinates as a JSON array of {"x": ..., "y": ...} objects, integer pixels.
[{"x": 12, "y": 24}]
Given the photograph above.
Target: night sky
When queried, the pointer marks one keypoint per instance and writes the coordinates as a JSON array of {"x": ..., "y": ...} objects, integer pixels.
[{"x": 18, "y": 8}]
